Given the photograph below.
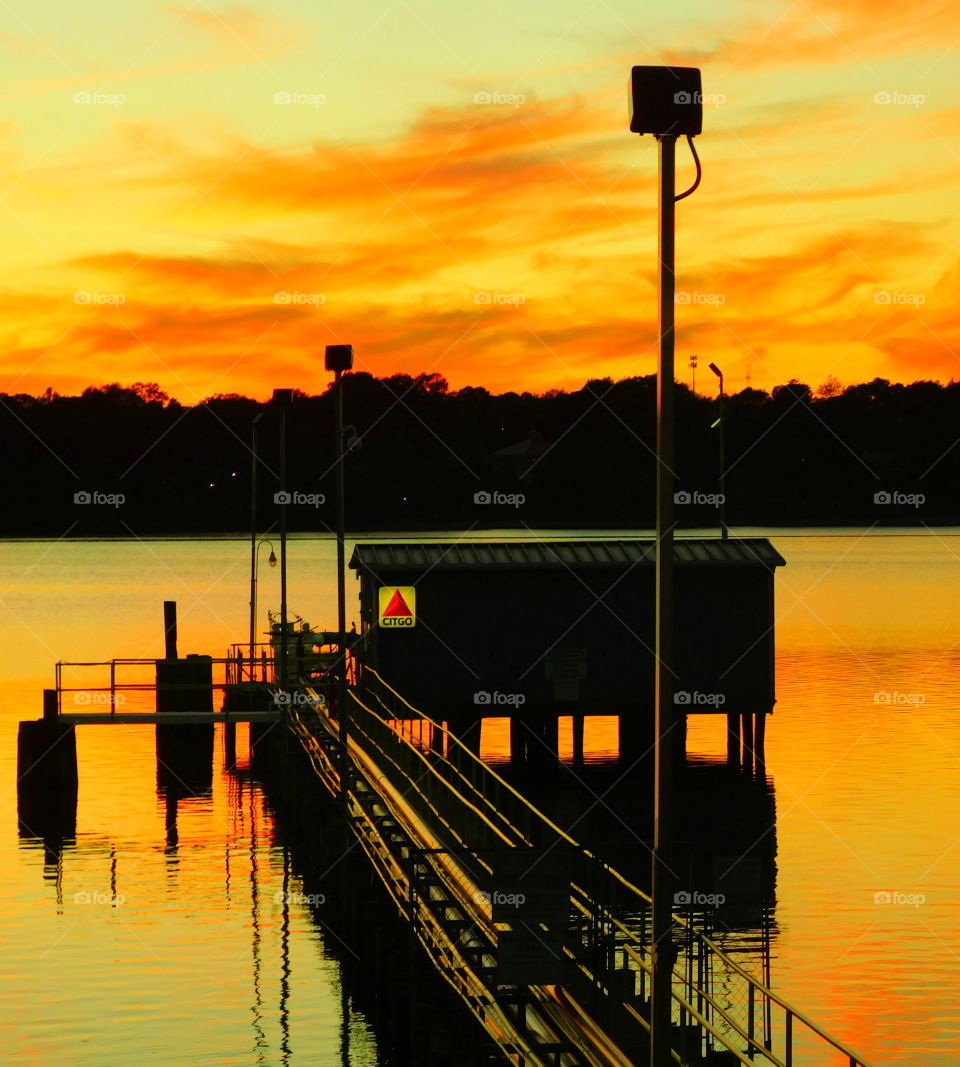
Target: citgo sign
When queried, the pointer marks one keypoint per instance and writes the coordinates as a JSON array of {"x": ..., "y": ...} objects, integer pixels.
[{"x": 398, "y": 606}]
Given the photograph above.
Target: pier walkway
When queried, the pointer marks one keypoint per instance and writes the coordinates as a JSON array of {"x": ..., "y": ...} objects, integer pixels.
[{"x": 547, "y": 946}]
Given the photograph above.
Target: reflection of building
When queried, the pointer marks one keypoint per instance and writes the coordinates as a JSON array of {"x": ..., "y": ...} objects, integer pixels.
[{"x": 536, "y": 630}]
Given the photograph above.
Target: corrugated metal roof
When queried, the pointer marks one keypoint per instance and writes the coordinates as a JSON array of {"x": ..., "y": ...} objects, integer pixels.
[{"x": 502, "y": 555}]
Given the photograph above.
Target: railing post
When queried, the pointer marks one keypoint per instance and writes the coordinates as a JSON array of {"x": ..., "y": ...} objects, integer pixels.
[
  {"x": 113, "y": 687},
  {"x": 789, "y": 1038},
  {"x": 750, "y": 1015}
]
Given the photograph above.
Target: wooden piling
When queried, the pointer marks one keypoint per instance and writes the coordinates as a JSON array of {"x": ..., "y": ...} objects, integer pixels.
[
  {"x": 733, "y": 739},
  {"x": 578, "y": 740},
  {"x": 759, "y": 735},
  {"x": 47, "y": 774},
  {"x": 747, "y": 726}
]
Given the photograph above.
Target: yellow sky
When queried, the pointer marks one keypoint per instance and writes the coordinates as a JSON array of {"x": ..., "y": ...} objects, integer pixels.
[{"x": 204, "y": 195}]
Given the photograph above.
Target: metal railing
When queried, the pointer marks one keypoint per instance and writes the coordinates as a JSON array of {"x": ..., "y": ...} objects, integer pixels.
[
  {"x": 716, "y": 1001},
  {"x": 121, "y": 682}
]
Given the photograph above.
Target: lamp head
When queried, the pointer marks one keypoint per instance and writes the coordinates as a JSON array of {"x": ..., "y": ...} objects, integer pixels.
[
  {"x": 665, "y": 101},
  {"x": 338, "y": 357},
  {"x": 716, "y": 370},
  {"x": 272, "y": 560}
]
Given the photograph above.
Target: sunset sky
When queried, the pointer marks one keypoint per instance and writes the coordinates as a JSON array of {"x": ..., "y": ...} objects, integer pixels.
[{"x": 204, "y": 195}]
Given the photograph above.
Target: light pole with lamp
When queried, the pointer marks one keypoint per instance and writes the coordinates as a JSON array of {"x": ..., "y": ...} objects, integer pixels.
[
  {"x": 667, "y": 102},
  {"x": 719, "y": 423},
  {"x": 272, "y": 560},
  {"x": 282, "y": 398},
  {"x": 253, "y": 542},
  {"x": 339, "y": 358}
]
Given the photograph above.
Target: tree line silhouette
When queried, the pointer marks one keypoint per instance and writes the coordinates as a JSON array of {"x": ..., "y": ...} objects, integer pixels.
[{"x": 130, "y": 461}]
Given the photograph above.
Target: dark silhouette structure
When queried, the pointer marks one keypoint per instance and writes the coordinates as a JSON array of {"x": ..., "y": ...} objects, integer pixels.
[{"x": 536, "y": 630}]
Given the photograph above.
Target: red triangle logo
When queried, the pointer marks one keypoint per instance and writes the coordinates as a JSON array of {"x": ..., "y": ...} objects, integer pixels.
[{"x": 397, "y": 606}]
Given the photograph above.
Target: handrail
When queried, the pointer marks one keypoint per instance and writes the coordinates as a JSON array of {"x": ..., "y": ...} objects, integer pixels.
[{"x": 755, "y": 985}]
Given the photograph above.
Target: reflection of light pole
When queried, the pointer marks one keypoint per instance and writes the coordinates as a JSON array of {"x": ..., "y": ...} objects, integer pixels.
[
  {"x": 664, "y": 101},
  {"x": 719, "y": 423},
  {"x": 283, "y": 398},
  {"x": 339, "y": 358},
  {"x": 253, "y": 543}
]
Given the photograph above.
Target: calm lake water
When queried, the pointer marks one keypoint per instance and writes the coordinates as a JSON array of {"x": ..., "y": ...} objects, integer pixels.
[{"x": 134, "y": 949}]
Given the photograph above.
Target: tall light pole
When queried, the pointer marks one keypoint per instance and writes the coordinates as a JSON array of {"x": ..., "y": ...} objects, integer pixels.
[
  {"x": 339, "y": 358},
  {"x": 253, "y": 543},
  {"x": 667, "y": 102},
  {"x": 693, "y": 368},
  {"x": 283, "y": 398},
  {"x": 272, "y": 560},
  {"x": 719, "y": 423}
]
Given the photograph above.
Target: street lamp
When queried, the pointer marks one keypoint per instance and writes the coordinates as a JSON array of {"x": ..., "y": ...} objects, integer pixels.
[
  {"x": 667, "y": 102},
  {"x": 339, "y": 358},
  {"x": 272, "y": 560},
  {"x": 283, "y": 398},
  {"x": 719, "y": 423},
  {"x": 253, "y": 541}
]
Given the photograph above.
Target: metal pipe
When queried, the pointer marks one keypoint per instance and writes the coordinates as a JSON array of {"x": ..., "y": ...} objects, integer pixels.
[{"x": 663, "y": 948}]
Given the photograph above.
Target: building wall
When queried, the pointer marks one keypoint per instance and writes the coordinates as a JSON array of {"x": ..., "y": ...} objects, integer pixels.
[{"x": 493, "y": 631}]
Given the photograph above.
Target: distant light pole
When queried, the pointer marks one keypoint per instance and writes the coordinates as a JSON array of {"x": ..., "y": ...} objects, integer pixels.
[
  {"x": 693, "y": 367},
  {"x": 719, "y": 423},
  {"x": 253, "y": 542},
  {"x": 272, "y": 560},
  {"x": 339, "y": 358},
  {"x": 283, "y": 398},
  {"x": 667, "y": 102}
]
